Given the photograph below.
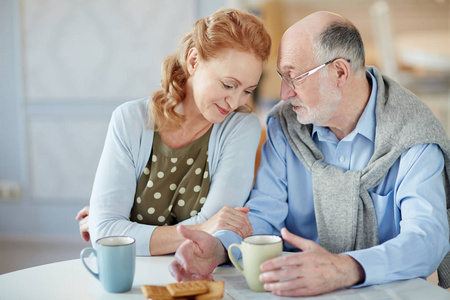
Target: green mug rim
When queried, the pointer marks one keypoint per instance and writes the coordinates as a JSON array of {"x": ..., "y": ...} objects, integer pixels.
[{"x": 267, "y": 243}]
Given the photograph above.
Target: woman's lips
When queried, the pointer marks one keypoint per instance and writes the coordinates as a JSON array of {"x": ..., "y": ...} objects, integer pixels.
[{"x": 222, "y": 110}]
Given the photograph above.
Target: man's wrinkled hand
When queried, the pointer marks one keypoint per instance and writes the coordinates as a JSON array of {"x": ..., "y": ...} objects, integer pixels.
[
  {"x": 313, "y": 271},
  {"x": 197, "y": 257}
]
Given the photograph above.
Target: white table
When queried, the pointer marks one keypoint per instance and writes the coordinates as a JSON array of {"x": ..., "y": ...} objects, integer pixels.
[{"x": 70, "y": 280}]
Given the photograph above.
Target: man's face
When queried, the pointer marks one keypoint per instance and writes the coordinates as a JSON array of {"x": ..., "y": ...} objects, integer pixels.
[{"x": 314, "y": 99}]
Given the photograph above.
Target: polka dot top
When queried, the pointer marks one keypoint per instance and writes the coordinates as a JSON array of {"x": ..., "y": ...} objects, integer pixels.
[{"x": 174, "y": 184}]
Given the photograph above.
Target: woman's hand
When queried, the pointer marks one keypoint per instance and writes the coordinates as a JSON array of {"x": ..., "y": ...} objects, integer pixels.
[
  {"x": 229, "y": 218},
  {"x": 83, "y": 217}
]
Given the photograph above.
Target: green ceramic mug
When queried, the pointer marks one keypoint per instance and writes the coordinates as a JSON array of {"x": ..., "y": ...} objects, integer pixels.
[{"x": 255, "y": 250}]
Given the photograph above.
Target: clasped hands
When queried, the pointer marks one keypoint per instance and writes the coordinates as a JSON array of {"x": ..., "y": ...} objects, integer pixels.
[{"x": 312, "y": 271}]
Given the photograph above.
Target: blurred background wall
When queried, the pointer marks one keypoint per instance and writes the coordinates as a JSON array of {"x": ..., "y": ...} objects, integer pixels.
[{"x": 65, "y": 65}]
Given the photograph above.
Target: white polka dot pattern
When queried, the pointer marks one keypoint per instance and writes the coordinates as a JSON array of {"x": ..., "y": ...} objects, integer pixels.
[{"x": 173, "y": 185}]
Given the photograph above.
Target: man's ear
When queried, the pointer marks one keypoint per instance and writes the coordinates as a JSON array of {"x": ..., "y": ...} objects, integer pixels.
[
  {"x": 192, "y": 60},
  {"x": 342, "y": 71}
]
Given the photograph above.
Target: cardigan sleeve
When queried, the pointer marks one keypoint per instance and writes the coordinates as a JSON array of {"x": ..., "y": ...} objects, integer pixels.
[{"x": 115, "y": 181}]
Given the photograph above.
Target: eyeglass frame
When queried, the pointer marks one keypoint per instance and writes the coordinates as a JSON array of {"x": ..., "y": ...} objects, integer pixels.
[{"x": 293, "y": 81}]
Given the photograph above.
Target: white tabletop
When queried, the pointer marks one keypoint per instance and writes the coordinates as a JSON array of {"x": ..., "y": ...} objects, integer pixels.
[{"x": 70, "y": 280}]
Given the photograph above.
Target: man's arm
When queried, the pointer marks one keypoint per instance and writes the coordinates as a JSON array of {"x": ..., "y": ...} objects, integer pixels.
[{"x": 422, "y": 241}]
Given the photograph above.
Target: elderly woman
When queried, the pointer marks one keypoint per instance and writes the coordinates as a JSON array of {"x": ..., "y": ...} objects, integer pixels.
[{"x": 186, "y": 155}]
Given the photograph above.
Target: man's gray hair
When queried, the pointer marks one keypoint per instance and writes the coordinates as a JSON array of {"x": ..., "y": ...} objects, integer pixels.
[{"x": 341, "y": 39}]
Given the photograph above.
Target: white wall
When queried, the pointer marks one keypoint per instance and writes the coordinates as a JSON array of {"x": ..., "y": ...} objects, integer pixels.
[{"x": 64, "y": 66}]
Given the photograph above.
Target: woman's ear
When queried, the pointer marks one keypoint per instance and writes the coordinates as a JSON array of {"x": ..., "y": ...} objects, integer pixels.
[{"x": 192, "y": 60}]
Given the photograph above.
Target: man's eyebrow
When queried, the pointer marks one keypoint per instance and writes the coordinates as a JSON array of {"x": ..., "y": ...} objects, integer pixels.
[{"x": 287, "y": 68}]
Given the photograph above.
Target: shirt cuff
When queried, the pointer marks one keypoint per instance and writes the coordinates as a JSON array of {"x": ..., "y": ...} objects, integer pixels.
[
  {"x": 372, "y": 265},
  {"x": 228, "y": 237}
]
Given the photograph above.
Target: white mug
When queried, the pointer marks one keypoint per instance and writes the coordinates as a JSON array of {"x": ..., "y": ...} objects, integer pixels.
[{"x": 255, "y": 250}]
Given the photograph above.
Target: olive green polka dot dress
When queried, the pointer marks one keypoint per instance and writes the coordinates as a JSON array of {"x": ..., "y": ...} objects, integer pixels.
[{"x": 174, "y": 184}]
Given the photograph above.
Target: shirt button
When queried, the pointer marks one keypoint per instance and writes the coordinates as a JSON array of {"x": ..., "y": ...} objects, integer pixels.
[{"x": 341, "y": 159}]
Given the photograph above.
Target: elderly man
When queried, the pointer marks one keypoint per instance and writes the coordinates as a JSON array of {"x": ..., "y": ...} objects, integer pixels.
[{"x": 351, "y": 174}]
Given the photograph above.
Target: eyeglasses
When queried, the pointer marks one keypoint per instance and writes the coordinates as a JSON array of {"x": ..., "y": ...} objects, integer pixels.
[{"x": 293, "y": 81}]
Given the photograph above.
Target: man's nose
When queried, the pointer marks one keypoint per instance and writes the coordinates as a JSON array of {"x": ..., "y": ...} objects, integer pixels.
[{"x": 286, "y": 91}]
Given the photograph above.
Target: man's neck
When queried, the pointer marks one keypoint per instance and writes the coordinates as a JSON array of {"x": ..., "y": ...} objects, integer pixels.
[{"x": 354, "y": 101}]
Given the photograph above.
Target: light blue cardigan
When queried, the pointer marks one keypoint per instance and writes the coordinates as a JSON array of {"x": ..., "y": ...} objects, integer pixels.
[{"x": 231, "y": 150}]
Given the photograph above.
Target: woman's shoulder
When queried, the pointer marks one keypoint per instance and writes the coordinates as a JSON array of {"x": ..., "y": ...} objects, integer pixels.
[
  {"x": 134, "y": 108},
  {"x": 131, "y": 117},
  {"x": 239, "y": 119}
]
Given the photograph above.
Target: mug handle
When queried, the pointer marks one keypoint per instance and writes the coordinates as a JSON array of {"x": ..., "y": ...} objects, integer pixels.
[
  {"x": 231, "y": 256},
  {"x": 87, "y": 250}
]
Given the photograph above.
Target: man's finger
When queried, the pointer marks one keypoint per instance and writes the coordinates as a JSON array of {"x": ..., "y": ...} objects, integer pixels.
[
  {"x": 295, "y": 240},
  {"x": 175, "y": 270},
  {"x": 189, "y": 234}
]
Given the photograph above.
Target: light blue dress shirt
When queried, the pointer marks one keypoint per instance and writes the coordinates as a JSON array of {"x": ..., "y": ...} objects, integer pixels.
[{"x": 409, "y": 203}]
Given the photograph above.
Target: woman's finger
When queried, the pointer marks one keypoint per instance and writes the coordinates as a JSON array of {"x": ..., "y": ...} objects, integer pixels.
[{"x": 84, "y": 212}]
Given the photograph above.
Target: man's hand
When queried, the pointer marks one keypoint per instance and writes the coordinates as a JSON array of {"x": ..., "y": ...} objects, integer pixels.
[
  {"x": 311, "y": 272},
  {"x": 198, "y": 256},
  {"x": 83, "y": 217}
]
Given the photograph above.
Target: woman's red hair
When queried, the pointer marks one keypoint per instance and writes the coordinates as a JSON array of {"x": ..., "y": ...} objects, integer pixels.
[{"x": 224, "y": 29}]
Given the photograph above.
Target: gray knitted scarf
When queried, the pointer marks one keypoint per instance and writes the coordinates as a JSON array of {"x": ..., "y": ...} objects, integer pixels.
[{"x": 344, "y": 210}]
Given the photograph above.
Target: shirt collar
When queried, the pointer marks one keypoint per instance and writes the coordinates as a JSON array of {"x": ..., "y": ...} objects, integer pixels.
[{"x": 366, "y": 123}]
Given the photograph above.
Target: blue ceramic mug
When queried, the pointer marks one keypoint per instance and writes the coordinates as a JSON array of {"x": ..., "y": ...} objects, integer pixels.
[{"x": 116, "y": 259}]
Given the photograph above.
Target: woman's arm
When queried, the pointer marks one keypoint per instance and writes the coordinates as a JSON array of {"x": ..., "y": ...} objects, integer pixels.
[
  {"x": 127, "y": 147},
  {"x": 165, "y": 239}
]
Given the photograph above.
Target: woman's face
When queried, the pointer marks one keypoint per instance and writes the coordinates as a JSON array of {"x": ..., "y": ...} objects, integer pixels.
[{"x": 222, "y": 84}]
